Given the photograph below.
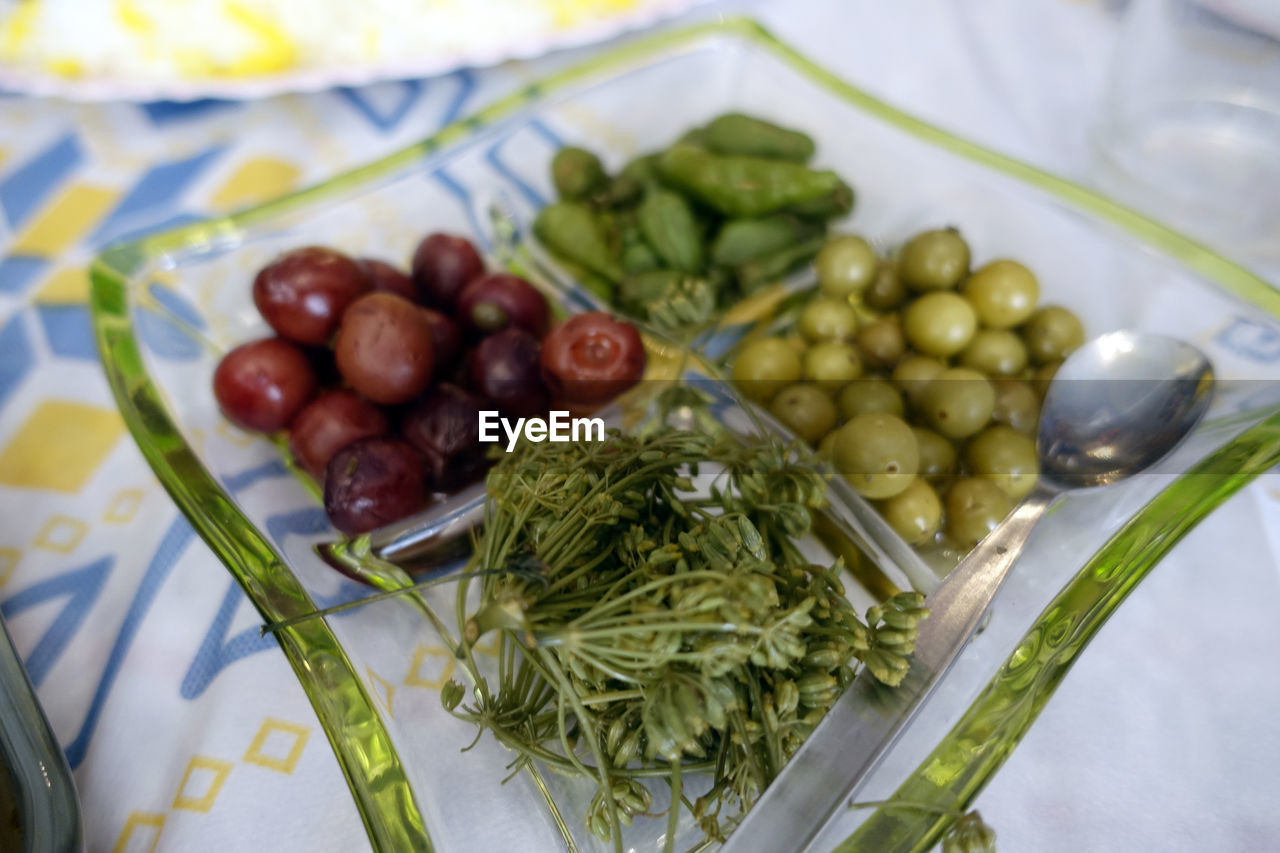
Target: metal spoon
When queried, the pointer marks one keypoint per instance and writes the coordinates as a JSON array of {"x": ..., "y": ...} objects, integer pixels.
[{"x": 1116, "y": 407}]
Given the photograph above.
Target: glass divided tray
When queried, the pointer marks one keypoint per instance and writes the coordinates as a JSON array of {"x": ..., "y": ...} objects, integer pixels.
[{"x": 166, "y": 306}]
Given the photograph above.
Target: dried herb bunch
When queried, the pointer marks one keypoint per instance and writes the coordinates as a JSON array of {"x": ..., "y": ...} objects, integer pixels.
[{"x": 648, "y": 629}]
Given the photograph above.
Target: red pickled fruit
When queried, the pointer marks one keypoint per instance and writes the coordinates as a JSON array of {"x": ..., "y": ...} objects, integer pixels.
[
  {"x": 261, "y": 385},
  {"x": 443, "y": 264},
  {"x": 504, "y": 368},
  {"x": 444, "y": 426},
  {"x": 500, "y": 300},
  {"x": 371, "y": 482},
  {"x": 384, "y": 348},
  {"x": 591, "y": 358},
  {"x": 386, "y": 278},
  {"x": 303, "y": 293},
  {"x": 329, "y": 423},
  {"x": 446, "y": 336}
]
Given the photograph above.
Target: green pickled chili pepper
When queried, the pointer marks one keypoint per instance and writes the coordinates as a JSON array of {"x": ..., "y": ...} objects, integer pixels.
[
  {"x": 618, "y": 192},
  {"x": 836, "y": 203},
  {"x": 743, "y": 186},
  {"x": 643, "y": 170},
  {"x": 573, "y": 231},
  {"x": 742, "y": 240},
  {"x": 694, "y": 136},
  {"x": 597, "y": 284},
  {"x": 576, "y": 172},
  {"x": 669, "y": 227},
  {"x": 637, "y": 292},
  {"x": 637, "y": 255},
  {"x": 720, "y": 279},
  {"x": 612, "y": 223},
  {"x": 775, "y": 265},
  {"x": 735, "y": 133}
]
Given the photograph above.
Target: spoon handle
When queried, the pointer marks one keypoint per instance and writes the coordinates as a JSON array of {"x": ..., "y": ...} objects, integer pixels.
[
  {"x": 867, "y": 718},
  {"x": 957, "y": 606}
]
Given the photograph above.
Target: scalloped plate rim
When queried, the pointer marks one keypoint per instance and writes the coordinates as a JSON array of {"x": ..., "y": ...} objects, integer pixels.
[{"x": 35, "y": 83}]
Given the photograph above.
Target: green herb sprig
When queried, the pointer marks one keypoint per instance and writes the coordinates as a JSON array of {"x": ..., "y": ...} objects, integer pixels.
[{"x": 650, "y": 629}]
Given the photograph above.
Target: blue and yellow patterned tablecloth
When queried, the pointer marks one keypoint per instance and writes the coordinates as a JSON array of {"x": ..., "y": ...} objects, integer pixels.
[{"x": 145, "y": 654}]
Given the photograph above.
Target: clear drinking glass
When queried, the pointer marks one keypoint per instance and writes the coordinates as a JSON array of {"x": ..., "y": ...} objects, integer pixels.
[{"x": 1190, "y": 125}]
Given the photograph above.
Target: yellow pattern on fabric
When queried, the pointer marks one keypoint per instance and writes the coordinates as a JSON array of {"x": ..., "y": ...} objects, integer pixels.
[
  {"x": 255, "y": 754},
  {"x": 489, "y": 647},
  {"x": 61, "y": 533},
  {"x": 66, "y": 220},
  {"x": 123, "y": 506},
  {"x": 139, "y": 819},
  {"x": 237, "y": 437},
  {"x": 67, "y": 286},
  {"x": 256, "y": 181},
  {"x": 202, "y": 803},
  {"x": 8, "y": 562},
  {"x": 60, "y": 446},
  {"x": 384, "y": 696},
  {"x": 417, "y": 678}
]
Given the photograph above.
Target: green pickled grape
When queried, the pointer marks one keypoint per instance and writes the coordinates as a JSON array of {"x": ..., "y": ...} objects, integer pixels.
[
  {"x": 958, "y": 402},
  {"x": 915, "y": 513},
  {"x": 846, "y": 265},
  {"x": 914, "y": 373},
  {"x": 831, "y": 364},
  {"x": 764, "y": 367},
  {"x": 1052, "y": 333},
  {"x": 995, "y": 352},
  {"x": 871, "y": 394},
  {"x": 939, "y": 324},
  {"x": 1043, "y": 375},
  {"x": 934, "y": 260},
  {"x": 806, "y": 410},
  {"x": 1005, "y": 456},
  {"x": 827, "y": 446},
  {"x": 1017, "y": 405},
  {"x": 828, "y": 319},
  {"x": 886, "y": 290},
  {"x": 877, "y": 454},
  {"x": 796, "y": 341},
  {"x": 1004, "y": 293},
  {"x": 974, "y": 506},
  {"x": 937, "y": 455},
  {"x": 881, "y": 343}
]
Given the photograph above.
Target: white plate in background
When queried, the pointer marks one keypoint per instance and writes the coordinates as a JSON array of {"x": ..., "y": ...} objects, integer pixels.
[{"x": 151, "y": 84}]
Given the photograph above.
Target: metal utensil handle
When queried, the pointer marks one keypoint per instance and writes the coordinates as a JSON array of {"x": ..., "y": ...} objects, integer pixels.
[
  {"x": 869, "y": 717},
  {"x": 421, "y": 535},
  {"x": 958, "y": 604}
]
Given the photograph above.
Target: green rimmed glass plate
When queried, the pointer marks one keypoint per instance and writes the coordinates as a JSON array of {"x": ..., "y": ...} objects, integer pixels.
[{"x": 163, "y": 305}]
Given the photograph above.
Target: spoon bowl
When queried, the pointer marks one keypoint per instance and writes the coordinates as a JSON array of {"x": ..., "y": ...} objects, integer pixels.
[{"x": 1117, "y": 406}]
